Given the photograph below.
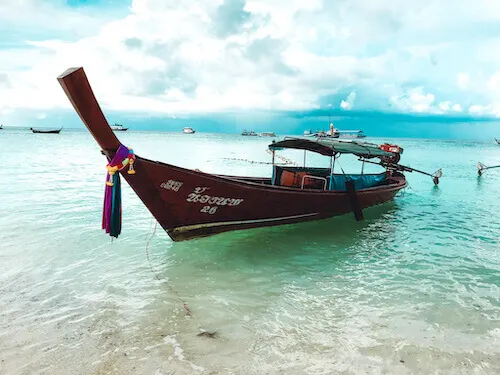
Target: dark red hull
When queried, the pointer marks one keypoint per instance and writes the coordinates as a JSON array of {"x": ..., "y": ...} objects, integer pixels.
[
  {"x": 205, "y": 204},
  {"x": 57, "y": 131},
  {"x": 190, "y": 204}
]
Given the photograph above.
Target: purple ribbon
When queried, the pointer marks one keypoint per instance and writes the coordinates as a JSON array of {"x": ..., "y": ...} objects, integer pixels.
[{"x": 111, "y": 192}]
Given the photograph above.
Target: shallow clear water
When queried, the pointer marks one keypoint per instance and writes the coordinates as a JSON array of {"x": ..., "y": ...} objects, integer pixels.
[{"x": 413, "y": 289}]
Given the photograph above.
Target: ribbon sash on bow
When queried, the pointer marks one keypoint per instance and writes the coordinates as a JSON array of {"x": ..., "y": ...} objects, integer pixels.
[{"x": 112, "y": 210}]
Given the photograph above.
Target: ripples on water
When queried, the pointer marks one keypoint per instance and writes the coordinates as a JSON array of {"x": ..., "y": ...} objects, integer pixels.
[{"x": 414, "y": 289}]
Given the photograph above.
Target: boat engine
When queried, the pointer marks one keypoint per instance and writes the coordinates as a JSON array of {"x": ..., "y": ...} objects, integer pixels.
[{"x": 395, "y": 150}]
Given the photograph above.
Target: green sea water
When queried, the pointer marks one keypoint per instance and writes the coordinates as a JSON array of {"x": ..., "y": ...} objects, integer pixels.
[{"x": 412, "y": 289}]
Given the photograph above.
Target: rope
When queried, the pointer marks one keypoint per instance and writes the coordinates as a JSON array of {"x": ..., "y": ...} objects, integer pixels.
[
  {"x": 285, "y": 160},
  {"x": 184, "y": 303},
  {"x": 248, "y": 161},
  {"x": 337, "y": 158},
  {"x": 203, "y": 332}
]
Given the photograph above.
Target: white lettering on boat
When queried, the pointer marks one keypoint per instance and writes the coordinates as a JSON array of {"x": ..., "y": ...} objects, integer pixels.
[
  {"x": 171, "y": 185},
  {"x": 199, "y": 190},
  {"x": 209, "y": 210},
  {"x": 211, "y": 200}
]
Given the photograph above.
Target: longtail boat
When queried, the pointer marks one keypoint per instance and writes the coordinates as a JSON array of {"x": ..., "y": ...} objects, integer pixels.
[
  {"x": 481, "y": 168},
  {"x": 46, "y": 131},
  {"x": 190, "y": 203}
]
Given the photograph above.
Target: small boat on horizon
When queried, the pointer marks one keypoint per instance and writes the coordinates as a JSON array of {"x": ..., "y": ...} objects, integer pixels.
[
  {"x": 351, "y": 134},
  {"x": 46, "y": 131},
  {"x": 335, "y": 133},
  {"x": 267, "y": 134},
  {"x": 188, "y": 130},
  {"x": 189, "y": 203},
  {"x": 118, "y": 128},
  {"x": 250, "y": 133}
]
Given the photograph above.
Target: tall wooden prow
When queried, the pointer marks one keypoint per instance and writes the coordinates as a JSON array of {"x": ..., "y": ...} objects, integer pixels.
[{"x": 77, "y": 87}]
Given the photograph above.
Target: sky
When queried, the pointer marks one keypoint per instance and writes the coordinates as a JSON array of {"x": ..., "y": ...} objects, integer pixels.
[{"x": 224, "y": 65}]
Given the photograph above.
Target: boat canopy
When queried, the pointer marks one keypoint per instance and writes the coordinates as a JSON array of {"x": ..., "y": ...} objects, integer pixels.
[{"x": 331, "y": 147}]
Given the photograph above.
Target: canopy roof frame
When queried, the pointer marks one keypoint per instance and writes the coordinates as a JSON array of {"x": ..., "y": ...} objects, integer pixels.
[{"x": 331, "y": 147}]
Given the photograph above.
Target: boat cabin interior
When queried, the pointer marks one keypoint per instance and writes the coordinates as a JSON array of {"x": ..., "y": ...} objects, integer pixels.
[{"x": 323, "y": 178}]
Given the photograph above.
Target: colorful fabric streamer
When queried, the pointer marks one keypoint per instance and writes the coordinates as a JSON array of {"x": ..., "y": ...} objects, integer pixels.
[{"x": 112, "y": 210}]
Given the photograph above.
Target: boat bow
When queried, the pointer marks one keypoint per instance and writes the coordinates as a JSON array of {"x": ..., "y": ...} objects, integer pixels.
[
  {"x": 77, "y": 87},
  {"x": 190, "y": 204}
]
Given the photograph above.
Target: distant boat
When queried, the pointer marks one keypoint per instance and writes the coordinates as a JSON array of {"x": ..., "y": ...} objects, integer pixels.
[
  {"x": 46, "y": 131},
  {"x": 323, "y": 134},
  {"x": 118, "y": 127},
  {"x": 350, "y": 134},
  {"x": 1, "y": 127},
  {"x": 249, "y": 133},
  {"x": 307, "y": 132},
  {"x": 267, "y": 134},
  {"x": 188, "y": 130},
  {"x": 335, "y": 133}
]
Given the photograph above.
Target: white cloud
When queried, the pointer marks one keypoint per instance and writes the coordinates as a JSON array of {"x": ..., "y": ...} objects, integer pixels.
[
  {"x": 414, "y": 100},
  {"x": 348, "y": 104},
  {"x": 445, "y": 106},
  {"x": 494, "y": 82},
  {"x": 200, "y": 60},
  {"x": 463, "y": 80},
  {"x": 449, "y": 107},
  {"x": 417, "y": 100},
  {"x": 38, "y": 18},
  {"x": 481, "y": 110},
  {"x": 173, "y": 56},
  {"x": 492, "y": 88}
]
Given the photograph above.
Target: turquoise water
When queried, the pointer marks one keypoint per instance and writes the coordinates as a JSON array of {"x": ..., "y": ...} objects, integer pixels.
[{"x": 413, "y": 289}]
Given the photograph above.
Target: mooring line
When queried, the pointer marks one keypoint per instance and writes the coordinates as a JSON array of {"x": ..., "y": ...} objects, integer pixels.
[
  {"x": 203, "y": 332},
  {"x": 184, "y": 303}
]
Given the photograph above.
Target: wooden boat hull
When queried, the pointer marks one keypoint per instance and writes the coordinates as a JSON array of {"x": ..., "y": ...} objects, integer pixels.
[
  {"x": 46, "y": 131},
  {"x": 190, "y": 204}
]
